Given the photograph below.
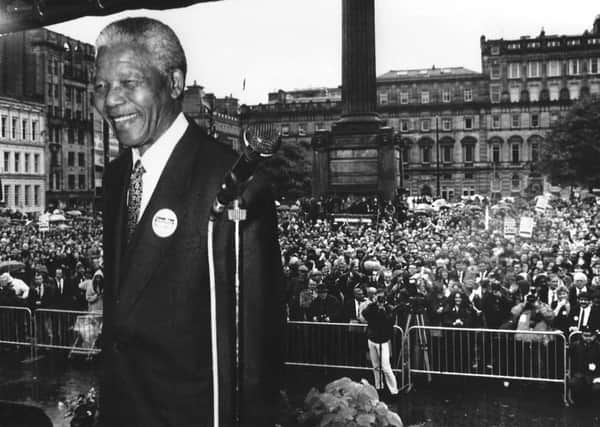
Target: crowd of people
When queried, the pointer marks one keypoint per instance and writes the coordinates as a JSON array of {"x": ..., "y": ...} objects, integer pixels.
[
  {"x": 454, "y": 265},
  {"x": 58, "y": 269}
]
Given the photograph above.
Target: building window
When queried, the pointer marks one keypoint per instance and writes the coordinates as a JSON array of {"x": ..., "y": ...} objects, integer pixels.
[
  {"x": 24, "y": 129},
  {"x": 17, "y": 162},
  {"x": 81, "y": 159},
  {"x": 447, "y": 154},
  {"x": 515, "y": 93},
  {"x": 516, "y": 151},
  {"x": 534, "y": 92},
  {"x": 534, "y": 69},
  {"x": 553, "y": 92},
  {"x": 71, "y": 159},
  {"x": 285, "y": 130},
  {"x": 6, "y": 161},
  {"x": 5, "y": 193},
  {"x": 34, "y": 130},
  {"x": 468, "y": 150},
  {"x": 71, "y": 136},
  {"x": 301, "y": 131},
  {"x": 17, "y": 195},
  {"x": 496, "y": 153},
  {"x": 78, "y": 95},
  {"x": 68, "y": 114},
  {"x": 495, "y": 71},
  {"x": 535, "y": 151},
  {"x": 3, "y": 129},
  {"x": 49, "y": 65},
  {"x": 468, "y": 191},
  {"x": 425, "y": 97},
  {"x": 553, "y": 69},
  {"x": 514, "y": 70},
  {"x": 27, "y": 160},
  {"x": 36, "y": 163},
  {"x": 81, "y": 182},
  {"x": 49, "y": 90},
  {"x": 68, "y": 93},
  {"x": 468, "y": 95},
  {"x": 496, "y": 121},
  {"x": 27, "y": 195},
  {"x": 71, "y": 181},
  {"x": 426, "y": 154},
  {"x": 404, "y": 125},
  {"x": 445, "y": 95},
  {"x": 403, "y": 97},
  {"x": 535, "y": 120},
  {"x": 495, "y": 50},
  {"x": 495, "y": 93},
  {"x": 425, "y": 125},
  {"x": 55, "y": 90},
  {"x": 383, "y": 98},
  {"x": 515, "y": 121},
  {"x": 593, "y": 68},
  {"x": 516, "y": 182},
  {"x": 36, "y": 195},
  {"x": 574, "y": 67},
  {"x": 446, "y": 124},
  {"x": 81, "y": 137},
  {"x": 13, "y": 130},
  {"x": 574, "y": 91},
  {"x": 468, "y": 121}
]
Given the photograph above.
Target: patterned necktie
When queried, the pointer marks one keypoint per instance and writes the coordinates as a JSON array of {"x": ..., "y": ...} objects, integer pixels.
[{"x": 134, "y": 198}]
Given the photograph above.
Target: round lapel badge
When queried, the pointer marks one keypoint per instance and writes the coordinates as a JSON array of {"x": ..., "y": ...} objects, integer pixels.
[{"x": 164, "y": 223}]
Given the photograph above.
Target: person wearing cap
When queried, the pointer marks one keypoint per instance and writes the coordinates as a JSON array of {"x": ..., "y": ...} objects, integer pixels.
[
  {"x": 585, "y": 366},
  {"x": 324, "y": 308}
]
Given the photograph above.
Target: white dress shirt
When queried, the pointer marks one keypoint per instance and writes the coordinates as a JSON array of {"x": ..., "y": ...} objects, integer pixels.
[{"x": 156, "y": 157}]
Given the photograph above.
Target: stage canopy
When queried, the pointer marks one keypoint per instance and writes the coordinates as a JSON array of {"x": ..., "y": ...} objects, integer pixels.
[{"x": 18, "y": 15}]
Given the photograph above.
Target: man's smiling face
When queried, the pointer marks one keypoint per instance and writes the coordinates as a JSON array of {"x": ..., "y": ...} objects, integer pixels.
[{"x": 133, "y": 95}]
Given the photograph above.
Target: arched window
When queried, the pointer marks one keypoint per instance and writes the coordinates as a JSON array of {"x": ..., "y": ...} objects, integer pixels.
[{"x": 516, "y": 182}]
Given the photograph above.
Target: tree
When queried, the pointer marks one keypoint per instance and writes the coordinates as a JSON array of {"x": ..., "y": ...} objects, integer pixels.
[
  {"x": 571, "y": 152},
  {"x": 289, "y": 170}
]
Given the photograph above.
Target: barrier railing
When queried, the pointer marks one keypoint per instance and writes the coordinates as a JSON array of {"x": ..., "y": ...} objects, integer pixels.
[
  {"x": 334, "y": 345},
  {"x": 16, "y": 326},
  {"x": 488, "y": 353},
  {"x": 76, "y": 331}
]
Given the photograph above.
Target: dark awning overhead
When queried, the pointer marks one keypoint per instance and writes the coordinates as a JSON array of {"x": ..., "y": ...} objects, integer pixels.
[{"x": 18, "y": 15}]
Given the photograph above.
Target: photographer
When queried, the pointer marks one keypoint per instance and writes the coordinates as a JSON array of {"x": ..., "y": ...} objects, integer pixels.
[{"x": 380, "y": 327}]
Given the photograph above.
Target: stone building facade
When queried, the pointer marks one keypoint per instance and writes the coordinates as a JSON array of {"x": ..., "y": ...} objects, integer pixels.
[
  {"x": 461, "y": 131},
  {"x": 55, "y": 70},
  {"x": 22, "y": 144}
]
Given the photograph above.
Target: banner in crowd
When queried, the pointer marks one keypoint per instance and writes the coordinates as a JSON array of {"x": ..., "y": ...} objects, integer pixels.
[
  {"x": 44, "y": 223},
  {"x": 510, "y": 227},
  {"x": 526, "y": 227},
  {"x": 542, "y": 204}
]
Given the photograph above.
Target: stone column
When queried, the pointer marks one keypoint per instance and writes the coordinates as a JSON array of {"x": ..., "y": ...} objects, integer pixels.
[{"x": 359, "y": 94}]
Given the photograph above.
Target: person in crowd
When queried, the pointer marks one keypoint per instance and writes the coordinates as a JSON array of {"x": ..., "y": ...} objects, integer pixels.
[
  {"x": 66, "y": 291},
  {"x": 380, "y": 328},
  {"x": 42, "y": 294},
  {"x": 157, "y": 314},
  {"x": 324, "y": 308},
  {"x": 561, "y": 308},
  {"x": 584, "y": 314},
  {"x": 585, "y": 367},
  {"x": 458, "y": 313},
  {"x": 14, "y": 291},
  {"x": 495, "y": 306},
  {"x": 351, "y": 307},
  {"x": 94, "y": 290}
]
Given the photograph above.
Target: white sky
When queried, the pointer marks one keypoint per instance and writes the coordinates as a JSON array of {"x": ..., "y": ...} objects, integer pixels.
[{"x": 291, "y": 44}]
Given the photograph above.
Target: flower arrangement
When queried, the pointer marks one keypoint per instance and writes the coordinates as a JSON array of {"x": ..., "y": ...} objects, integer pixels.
[{"x": 346, "y": 403}]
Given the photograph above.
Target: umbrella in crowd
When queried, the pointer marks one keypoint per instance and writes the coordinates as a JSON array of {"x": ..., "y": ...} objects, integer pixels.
[{"x": 11, "y": 266}]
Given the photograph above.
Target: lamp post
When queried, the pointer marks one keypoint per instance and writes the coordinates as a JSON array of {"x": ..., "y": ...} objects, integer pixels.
[{"x": 437, "y": 156}]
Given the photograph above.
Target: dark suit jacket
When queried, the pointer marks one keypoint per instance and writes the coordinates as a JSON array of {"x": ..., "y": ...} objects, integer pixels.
[
  {"x": 67, "y": 300},
  {"x": 156, "y": 331},
  {"x": 46, "y": 300}
]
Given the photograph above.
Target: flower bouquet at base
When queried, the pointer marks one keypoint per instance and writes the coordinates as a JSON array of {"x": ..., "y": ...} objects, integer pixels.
[{"x": 346, "y": 403}]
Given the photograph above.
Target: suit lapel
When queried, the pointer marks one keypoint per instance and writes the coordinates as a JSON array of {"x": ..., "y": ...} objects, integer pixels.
[{"x": 146, "y": 250}]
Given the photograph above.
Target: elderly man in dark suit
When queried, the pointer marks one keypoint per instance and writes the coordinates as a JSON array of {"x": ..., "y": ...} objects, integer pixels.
[{"x": 157, "y": 197}]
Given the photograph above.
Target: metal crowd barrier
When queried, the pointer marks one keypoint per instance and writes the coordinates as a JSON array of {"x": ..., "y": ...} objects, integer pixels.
[
  {"x": 333, "y": 345},
  {"x": 76, "y": 331},
  {"x": 16, "y": 326},
  {"x": 488, "y": 353}
]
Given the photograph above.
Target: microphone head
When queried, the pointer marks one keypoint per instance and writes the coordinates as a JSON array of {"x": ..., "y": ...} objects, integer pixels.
[{"x": 262, "y": 138}]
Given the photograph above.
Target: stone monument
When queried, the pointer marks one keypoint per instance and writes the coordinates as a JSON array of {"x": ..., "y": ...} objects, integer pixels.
[{"x": 358, "y": 155}]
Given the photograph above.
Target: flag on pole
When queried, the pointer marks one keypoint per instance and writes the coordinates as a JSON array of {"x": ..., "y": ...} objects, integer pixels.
[{"x": 244, "y": 84}]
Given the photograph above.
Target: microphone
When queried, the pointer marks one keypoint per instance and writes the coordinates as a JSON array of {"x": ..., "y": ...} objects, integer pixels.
[{"x": 261, "y": 141}]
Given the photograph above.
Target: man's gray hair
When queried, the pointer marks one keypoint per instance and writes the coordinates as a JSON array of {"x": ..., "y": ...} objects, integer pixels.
[{"x": 158, "y": 39}]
